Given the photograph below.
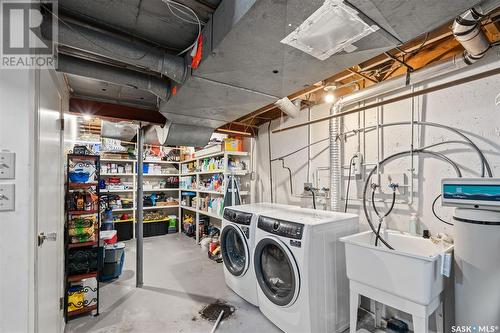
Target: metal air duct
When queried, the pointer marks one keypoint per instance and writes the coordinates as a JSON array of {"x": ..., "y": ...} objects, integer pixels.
[
  {"x": 76, "y": 66},
  {"x": 120, "y": 49}
]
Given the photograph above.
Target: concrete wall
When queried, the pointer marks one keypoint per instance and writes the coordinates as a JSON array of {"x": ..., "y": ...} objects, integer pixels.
[
  {"x": 17, "y": 236},
  {"x": 470, "y": 107}
]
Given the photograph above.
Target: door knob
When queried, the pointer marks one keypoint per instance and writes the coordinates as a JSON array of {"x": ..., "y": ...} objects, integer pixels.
[{"x": 51, "y": 236}]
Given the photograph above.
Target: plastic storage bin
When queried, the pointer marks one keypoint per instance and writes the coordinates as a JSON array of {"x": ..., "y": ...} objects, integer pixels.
[
  {"x": 114, "y": 256},
  {"x": 113, "y": 252}
]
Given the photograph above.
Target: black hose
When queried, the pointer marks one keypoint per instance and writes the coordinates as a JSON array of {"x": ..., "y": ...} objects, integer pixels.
[
  {"x": 377, "y": 234},
  {"x": 314, "y": 198},
  {"x": 434, "y": 211},
  {"x": 348, "y": 183},
  {"x": 381, "y": 218},
  {"x": 394, "y": 156}
]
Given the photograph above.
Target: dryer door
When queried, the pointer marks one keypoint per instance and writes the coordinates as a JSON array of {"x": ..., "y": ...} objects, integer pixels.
[
  {"x": 234, "y": 249},
  {"x": 276, "y": 271}
]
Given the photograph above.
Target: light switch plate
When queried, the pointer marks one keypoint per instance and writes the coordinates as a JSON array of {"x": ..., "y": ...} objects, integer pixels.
[
  {"x": 7, "y": 165},
  {"x": 7, "y": 197}
]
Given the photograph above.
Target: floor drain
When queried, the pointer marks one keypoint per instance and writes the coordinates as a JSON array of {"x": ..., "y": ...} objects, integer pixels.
[{"x": 212, "y": 311}]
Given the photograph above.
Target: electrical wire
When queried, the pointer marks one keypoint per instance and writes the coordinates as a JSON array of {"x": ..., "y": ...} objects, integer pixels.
[
  {"x": 349, "y": 182},
  {"x": 170, "y": 2},
  {"x": 300, "y": 149},
  {"x": 172, "y": 5},
  {"x": 485, "y": 165},
  {"x": 418, "y": 48},
  {"x": 434, "y": 211}
]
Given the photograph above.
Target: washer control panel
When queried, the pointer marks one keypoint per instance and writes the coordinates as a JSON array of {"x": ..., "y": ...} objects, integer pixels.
[
  {"x": 237, "y": 216},
  {"x": 280, "y": 227}
]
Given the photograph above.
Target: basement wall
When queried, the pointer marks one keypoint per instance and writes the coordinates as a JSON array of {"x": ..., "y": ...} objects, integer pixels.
[{"x": 470, "y": 107}]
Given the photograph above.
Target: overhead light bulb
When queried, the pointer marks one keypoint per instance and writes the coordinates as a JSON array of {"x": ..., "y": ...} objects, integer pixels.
[
  {"x": 329, "y": 98},
  {"x": 87, "y": 117}
]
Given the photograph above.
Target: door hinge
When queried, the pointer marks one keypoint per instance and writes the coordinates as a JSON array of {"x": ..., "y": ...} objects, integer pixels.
[
  {"x": 61, "y": 303},
  {"x": 61, "y": 124}
]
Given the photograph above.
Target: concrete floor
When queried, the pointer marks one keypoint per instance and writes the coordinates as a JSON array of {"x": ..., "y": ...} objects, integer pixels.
[{"x": 179, "y": 280}]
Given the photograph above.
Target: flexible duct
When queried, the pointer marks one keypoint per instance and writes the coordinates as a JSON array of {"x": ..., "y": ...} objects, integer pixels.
[
  {"x": 335, "y": 161},
  {"x": 468, "y": 32}
]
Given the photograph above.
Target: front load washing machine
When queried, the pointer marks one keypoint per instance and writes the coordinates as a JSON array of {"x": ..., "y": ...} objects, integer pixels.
[
  {"x": 237, "y": 242},
  {"x": 300, "y": 269}
]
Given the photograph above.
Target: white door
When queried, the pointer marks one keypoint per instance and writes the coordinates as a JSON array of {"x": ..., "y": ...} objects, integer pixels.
[{"x": 49, "y": 205}]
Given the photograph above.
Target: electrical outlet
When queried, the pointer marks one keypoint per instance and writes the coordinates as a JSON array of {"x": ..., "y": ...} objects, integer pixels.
[
  {"x": 386, "y": 179},
  {"x": 358, "y": 166}
]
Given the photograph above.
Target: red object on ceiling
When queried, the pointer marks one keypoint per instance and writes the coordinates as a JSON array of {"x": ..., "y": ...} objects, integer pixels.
[{"x": 195, "y": 62}]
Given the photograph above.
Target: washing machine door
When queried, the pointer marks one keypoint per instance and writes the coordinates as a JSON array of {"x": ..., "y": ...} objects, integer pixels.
[
  {"x": 234, "y": 249},
  {"x": 276, "y": 271}
]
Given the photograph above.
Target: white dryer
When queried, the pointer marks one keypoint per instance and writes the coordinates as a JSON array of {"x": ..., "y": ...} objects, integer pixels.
[
  {"x": 237, "y": 242},
  {"x": 300, "y": 269}
]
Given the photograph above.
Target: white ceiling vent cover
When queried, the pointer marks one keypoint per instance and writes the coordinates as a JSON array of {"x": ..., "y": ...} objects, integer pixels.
[{"x": 333, "y": 27}]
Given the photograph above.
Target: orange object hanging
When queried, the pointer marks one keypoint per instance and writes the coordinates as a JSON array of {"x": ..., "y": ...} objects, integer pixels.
[{"x": 195, "y": 62}]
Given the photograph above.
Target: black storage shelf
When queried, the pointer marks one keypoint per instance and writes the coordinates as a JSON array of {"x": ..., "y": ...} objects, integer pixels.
[{"x": 71, "y": 278}]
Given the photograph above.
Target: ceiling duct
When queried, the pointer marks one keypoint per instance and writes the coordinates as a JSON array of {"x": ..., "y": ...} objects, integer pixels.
[
  {"x": 332, "y": 28},
  {"x": 121, "y": 49},
  {"x": 178, "y": 135},
  {"x": 188, "y": 135},
  {"x": 123, "y": 130},
  {"x": 245, "y": 49},
  {"x": 76, "y": 66}
]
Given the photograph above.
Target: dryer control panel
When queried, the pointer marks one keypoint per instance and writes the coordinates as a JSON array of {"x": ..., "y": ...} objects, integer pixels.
[
  {"x": 237, "y": 216},
  {"x": 280, "y": 227}
]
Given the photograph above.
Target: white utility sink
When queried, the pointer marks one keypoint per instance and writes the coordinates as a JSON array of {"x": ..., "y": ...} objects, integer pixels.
[{"x": 411, "y": 271}]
